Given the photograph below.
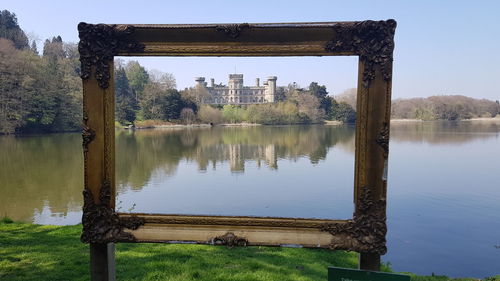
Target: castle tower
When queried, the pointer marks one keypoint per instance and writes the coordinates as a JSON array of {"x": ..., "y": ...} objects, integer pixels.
[
  {"x": 270, "y": 94},
  {"x": 235, "y": 87},
  {"x": 200, "y": 81},
  {"x": 235, "y": 81}
]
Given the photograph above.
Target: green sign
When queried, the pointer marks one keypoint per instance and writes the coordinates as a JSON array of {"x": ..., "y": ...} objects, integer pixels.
[{"x": 344, "y": 274}]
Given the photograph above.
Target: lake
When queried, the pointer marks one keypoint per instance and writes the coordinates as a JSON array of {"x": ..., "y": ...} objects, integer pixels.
[{"x": 443, "y": 184}]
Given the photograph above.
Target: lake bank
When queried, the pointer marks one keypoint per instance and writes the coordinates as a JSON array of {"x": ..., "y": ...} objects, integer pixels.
[
  {"x": 47, "y": 252},
  {"x": 482, "y": 119},
  {"x": 143, "y": 125},
  {"x": 169, "y": 125}
]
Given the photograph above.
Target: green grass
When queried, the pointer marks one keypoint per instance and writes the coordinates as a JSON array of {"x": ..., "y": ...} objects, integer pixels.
[{"x": 38, "y": 252}]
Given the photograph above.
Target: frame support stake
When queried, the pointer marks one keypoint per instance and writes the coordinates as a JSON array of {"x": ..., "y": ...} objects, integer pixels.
[
  {"x": 102, "y": 262},
  {"x": 369, "y": 261}
]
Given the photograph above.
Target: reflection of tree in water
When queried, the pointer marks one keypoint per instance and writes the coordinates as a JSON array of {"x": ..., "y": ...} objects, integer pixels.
[
  {"x": 444, "y": 132},
  {"x": 140, "y": 154},
  {"x": 40, "y": 171},
  {"x": 143, "y": 153}
]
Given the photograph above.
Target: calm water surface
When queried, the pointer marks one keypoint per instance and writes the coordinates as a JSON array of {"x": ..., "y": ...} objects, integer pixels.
[{"x": 443, "y": 193}]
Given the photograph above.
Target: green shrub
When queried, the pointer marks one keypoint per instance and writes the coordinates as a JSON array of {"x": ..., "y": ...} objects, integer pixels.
[{"x": 6, "y": 220}]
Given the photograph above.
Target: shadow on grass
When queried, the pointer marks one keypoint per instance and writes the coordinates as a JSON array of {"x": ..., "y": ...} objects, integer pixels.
[
  {"x": 201, "y": 262},
  {"x": 37, "y": 252}
]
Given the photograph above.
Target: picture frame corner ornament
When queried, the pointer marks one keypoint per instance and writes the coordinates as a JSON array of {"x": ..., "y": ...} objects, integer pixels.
[
  {"x": 366, "y": 231},
  {"x": 101, "y": 224},
  {"x": 99, "y": 44},
  {"x": 372, "y": 41}
]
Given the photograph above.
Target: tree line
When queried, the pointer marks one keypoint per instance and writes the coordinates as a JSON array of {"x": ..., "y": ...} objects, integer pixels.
[
  {"x": 151, "y": 95},
  {"x": 42, "y": 92},
  {"x": 448, "y": 107},
  {"x": 38, "y": 92},
  {"x": 444, "y": 107}
]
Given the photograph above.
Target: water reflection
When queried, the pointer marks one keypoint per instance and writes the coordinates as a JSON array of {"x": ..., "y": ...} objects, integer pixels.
[
  {"x": 211, "y": 159},
  {"x": 152, "y": 150},
  {"x": 294, "y": 171},
  {"x": 41, "y": 177},
  {"x": 444, "y": 132}
]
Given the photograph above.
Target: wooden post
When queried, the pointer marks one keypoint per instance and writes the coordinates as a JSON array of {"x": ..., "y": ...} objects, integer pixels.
[
  {"x": 98, "y": 107},
  {"x": 368, "y": 261},
  {"x": 102, "y": 262}
]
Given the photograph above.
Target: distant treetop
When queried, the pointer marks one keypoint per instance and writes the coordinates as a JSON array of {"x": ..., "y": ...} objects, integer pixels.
[{"x": 9, "y": 29}]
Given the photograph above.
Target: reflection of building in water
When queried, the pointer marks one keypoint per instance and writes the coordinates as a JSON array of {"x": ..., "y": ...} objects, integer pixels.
[
  {"x": 237, "y": 154},
  {"x": 236, "y": 93},
  {"x": 236, "y": 161},
  {"x": 270, "y": 156}
]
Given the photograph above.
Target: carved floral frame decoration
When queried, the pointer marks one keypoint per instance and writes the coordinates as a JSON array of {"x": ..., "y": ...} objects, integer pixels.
[{"x": 371, "y": 41}]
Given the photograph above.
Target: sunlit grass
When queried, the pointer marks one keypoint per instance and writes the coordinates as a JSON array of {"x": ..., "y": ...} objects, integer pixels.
[{"x": 38, "y": 252}]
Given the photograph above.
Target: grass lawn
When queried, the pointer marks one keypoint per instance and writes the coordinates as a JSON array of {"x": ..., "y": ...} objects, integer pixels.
[{"x": 42, "y": 252}]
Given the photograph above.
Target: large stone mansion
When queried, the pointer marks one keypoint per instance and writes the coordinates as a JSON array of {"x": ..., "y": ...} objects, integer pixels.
[{"x": 236, "y": 93}]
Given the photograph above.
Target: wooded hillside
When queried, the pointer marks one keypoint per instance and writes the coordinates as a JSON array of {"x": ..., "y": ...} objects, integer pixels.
[{"x": 445, "y": 107}]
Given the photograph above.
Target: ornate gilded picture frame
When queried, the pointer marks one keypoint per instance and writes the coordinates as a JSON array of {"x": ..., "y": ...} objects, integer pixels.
[{"x": 371, "y": 41}]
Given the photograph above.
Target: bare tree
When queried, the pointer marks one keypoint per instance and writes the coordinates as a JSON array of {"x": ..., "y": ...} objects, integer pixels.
[
  {"x": 165, "y": 79},
  {"x": 187, "y": 115},
  {"x": 348, "y": 96}
]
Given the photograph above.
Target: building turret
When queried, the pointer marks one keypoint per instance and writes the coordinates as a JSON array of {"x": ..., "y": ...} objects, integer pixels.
[
  {"x": 235, "y": 81},
  {"x": 270, "y": 95},
  {"x": 212, "y": 82},
  {"x": 257, "y": 82},
  {"x": 200, "y": 81}
]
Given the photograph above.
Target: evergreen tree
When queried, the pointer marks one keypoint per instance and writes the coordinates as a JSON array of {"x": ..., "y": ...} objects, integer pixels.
[
  {"x": 126, "y": 104},
  {"x": 33, "y": 48},
  {"x": 342, "y": 112},
  {"x": 138, "y": 77},
  {"x": 54, "y": 49},
  {"x": 280, "y": 93},
  {"x": 13, "y": 98},
  {"x": 322, "y": 95},
  {"x": 9, "y": 29},
  {"x": 171, "y": 104}
]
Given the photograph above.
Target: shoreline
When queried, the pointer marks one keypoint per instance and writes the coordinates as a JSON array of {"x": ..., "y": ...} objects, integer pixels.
[
  {"x": 479, "y": 119},
  {"x": 325, "y": 123},
  {"x": 243, "y": 124}
]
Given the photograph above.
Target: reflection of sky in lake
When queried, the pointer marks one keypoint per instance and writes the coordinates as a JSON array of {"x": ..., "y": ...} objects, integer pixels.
[
  {"x": 282, "y": 171},
  {"x": 443, "y": 210},
  {"x": 297, "y": 189}
]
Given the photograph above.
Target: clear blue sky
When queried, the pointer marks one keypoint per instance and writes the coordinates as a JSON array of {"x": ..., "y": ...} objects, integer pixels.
[{"x": 442, "y": 47}]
